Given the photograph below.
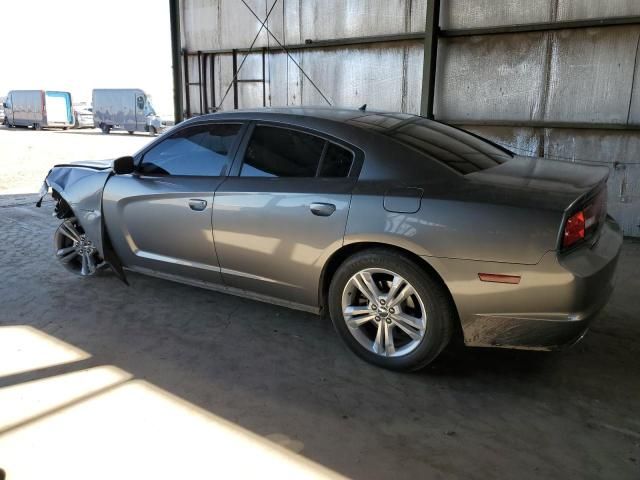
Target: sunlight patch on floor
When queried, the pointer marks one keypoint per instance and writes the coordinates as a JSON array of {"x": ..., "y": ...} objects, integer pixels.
[
  {"x": 101, "y": 423},
  {"x": 24, "y": 348}
]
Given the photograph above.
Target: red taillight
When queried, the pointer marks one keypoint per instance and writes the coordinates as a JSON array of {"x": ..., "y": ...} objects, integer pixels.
[{"x": 574, "y": 229}]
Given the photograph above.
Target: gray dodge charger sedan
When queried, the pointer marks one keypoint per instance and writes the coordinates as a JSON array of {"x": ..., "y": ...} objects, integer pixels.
[{"x": 406, "y": 231}]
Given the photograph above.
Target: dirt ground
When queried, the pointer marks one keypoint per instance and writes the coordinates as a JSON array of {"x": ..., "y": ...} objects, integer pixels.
[{"x": 161, "y": 380}]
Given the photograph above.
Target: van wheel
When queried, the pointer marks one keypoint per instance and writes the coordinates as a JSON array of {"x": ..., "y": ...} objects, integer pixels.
[
  {"x": 37, "y": 126},
  {"x": 130, "y": 132},
  {"x": 390, "y": 311},
  {"x": 153, "y": 131},
  {"x": 105, "y": 128}
]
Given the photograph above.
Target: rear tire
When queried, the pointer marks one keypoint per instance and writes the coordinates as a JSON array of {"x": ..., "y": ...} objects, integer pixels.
[
  {"x": 130, "y": 132},
  {"x": 390, "y": 311},
  {"x": 106, "y": 129},
  {"x": 153, "y": 131}
]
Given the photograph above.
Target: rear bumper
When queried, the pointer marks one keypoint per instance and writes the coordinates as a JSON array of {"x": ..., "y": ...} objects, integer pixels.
[{"x": 553, "y": 304}]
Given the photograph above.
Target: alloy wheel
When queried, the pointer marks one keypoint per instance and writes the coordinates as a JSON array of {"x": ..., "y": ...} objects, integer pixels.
[
  {"x": 74, "y": 250},
  {"x": 384, "y": 312}
]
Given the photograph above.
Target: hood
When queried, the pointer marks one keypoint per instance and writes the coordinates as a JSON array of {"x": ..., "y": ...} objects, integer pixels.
[
  {"x": 94, "y": 164},
  {"x": 62, "y": 176}
]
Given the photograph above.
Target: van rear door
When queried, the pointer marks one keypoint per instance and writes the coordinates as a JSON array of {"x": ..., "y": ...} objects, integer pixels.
[{"x": 58, "y": 108}]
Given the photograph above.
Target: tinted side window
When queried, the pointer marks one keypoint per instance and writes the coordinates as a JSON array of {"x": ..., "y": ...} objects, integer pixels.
[
  {"x": 336, "y": 162},
  {"x": 279, "y": 152},
  {"x": 459, "y": 150},
  {"x": 201, "y": 150}
]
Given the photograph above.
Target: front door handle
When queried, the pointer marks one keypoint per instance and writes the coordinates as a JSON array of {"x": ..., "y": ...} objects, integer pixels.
[
  {"x": 197, "y": 204},
  {"x": 322, "y": 209}
]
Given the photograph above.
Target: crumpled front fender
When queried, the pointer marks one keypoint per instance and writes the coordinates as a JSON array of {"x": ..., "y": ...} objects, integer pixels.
[{"x": 81, "y": 187}]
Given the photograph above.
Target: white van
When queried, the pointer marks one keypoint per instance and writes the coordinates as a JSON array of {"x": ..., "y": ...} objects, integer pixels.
[
  {"x": 38, "y": 109},
  {"x": 127, "y": 109}
]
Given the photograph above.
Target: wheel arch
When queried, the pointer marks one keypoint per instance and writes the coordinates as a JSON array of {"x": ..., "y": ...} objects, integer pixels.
[
  {"x": 63, "y": 207},
  {"x": 339, "y": 256}
]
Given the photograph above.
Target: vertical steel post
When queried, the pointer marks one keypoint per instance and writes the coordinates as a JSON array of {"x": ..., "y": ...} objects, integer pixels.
[
  {"x": 213, "y": 80},
  {"x": 264, "y": 80},
  {"x": 205, "y": 93},
  {"x": 174, "y": 15},
  {"x": 235, "y": 79},
  {"x": 187, "y": 96},
  {"x": 200, "y": 82},
  {"x": 430, "y": 58}
]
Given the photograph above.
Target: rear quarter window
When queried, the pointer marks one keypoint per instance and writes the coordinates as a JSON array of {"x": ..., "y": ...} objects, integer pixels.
[{"x": 457, "y": 149}]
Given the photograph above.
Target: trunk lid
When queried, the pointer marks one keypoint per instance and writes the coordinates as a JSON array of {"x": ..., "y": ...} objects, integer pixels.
[
  {"x": 541, "y": 183},
  {"x": 576, "y": 191}
]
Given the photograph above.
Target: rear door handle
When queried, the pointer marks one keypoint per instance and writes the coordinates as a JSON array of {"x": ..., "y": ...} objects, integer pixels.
[
  {"x": 322, "y": 209},
  {"x": 197, "y": 204}
]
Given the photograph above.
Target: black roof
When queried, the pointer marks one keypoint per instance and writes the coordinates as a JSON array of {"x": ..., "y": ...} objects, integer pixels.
[{"x": 336, "y": 114}]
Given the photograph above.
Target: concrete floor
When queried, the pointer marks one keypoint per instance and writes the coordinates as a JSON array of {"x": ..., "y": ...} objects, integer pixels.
[{"x": 100, "y": 380}]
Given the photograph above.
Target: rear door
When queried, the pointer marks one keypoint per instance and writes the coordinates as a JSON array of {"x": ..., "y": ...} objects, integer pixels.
[
  {"x": 58, "y": 108},
  {"x": 282, "y": 211},
  {"x": 159, "y": 218}
]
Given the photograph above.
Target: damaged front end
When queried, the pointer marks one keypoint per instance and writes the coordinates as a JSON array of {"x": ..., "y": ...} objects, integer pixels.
[{"x": 77, "y": 189}]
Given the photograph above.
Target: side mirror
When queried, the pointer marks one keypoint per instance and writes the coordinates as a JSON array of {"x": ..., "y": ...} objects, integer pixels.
[{"x": 123, "y": 165}]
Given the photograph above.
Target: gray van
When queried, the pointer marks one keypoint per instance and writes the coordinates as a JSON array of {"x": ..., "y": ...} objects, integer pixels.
[
  {"x": 127, "y": 109},
  {"x": 38, "y": 109}
]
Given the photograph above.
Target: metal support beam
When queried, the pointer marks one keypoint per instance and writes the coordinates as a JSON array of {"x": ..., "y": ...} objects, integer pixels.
[
  {"x": 200, "y": 90},
  {"x": 430, "y": 58},
  {"x": 338, "y": 42},
  {"x": 543, "y": 124},
  {"x": 205, "y": 93},
  {"x": 235, "y": 79},
  {"x": 213, "y": 81},
  {"x": 403, "y": 37},
  {"x": 542, "y": 27},
  {"x": 264, "y": 78},
  {"x": 174, "y": 15},
  {"x": 185, "y": 57}
]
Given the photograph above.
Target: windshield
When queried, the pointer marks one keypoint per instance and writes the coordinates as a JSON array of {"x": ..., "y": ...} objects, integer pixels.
[{"x": 148, "y": 107}]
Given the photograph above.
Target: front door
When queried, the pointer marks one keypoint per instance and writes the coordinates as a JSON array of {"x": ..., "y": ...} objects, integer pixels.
[
  {"x": 159, "y": 218},
  {"x": 278, "y": 219}
]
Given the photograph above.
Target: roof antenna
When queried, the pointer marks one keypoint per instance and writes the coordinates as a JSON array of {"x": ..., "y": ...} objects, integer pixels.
[{"x": 363, "y": 108}]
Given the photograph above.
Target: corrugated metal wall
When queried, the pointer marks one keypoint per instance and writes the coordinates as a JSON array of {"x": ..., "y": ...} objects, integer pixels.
[{"x": 518, "y": 89}]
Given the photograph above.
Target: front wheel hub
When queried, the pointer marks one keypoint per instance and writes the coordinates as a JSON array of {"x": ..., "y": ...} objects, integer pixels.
[{"x": 74, "y": 250}]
